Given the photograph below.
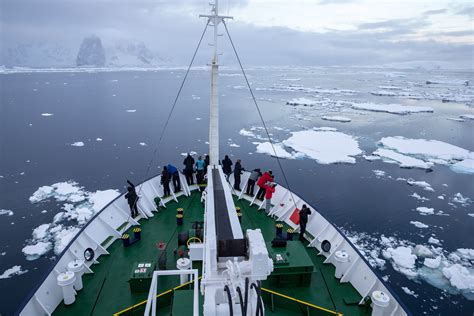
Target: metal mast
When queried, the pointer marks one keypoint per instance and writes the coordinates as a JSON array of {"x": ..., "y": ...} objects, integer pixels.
[{"x": 214, "y": 19}]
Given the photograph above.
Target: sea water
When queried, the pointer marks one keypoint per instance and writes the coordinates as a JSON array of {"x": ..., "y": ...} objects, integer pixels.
[{"x": 70, "y": 138}]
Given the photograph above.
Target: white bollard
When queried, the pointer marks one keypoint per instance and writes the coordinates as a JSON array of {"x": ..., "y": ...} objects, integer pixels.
[
  {"x": 66, "y": 281},
  {"x": 342, "y": 258},
  {"x": 183, "y": 264},
  {"x": 380, "y": 302},
  {"x": 77, "y": 266}
]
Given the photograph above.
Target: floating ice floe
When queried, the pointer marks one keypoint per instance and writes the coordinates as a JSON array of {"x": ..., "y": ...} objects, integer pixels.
[
  {"x": 198, "y": 118},
  {"x": 455, "y": 119},
  {"x": 425, "y": 210},
  {"x": 419, "y": 224},
  {"x": 448, "y": 82},
  {"x": 142, "y": 144},
  {"x": 326, "y": 147},
  {"x": 195, "y": 97},
  {"x": 423, "y": 153},
  {"x": 404, "y": 161},
  {"x": 192, "y": 153},
  {"x": 419, "y": 197},
  {"x": 384, "y": 93},
  {"x": 131, "y": 111},
  {"x": 47, "y": 114},
  {"x": 409, "y": 292},
  {"x": 342, "y": 119},
  {"x": 79, "y": 206},
  {"x": 449, "y": 271},
  {"x": 266, "y": 148},
  {"x": 290, "y": 79},
  {"x": 422, "y": 184},
  {"x": 391, "y": 108},
  {"x": 233, "y": 145},
  {"x": 98, "y": 139},
  {"x": 15, "y": 270},
  {"x": 460, "y": 199},
  {"x": 467, "y": 116},
  {"x": 244, "y": 132},
  {"x": 371, "y": 157},
  {"x": 78, "y": 144},
  {"x": 302, "y": 101},
  {"x": 379, "y": 173},
  {"x": 6, "y": 212}
]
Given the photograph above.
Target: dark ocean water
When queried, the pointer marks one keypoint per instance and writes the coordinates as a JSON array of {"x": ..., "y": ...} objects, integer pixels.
[{"x": 94, "y": 105}]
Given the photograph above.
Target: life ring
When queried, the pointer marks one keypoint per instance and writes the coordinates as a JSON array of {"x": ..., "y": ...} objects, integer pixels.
[
  {"x": 326, "y": 246},
  {"x": 193, "y": 238}
]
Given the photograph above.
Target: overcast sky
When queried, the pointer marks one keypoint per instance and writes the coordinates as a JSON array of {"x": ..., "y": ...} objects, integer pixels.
[{"x": 309, "y": 32}]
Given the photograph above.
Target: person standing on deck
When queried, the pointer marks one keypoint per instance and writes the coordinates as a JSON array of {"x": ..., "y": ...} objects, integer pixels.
[
  {"x": 269, "y": 190},
  {"x": 252, "y": 179},
  {"x": 266, "y": 177},
  {"x": 132, "y": 199},
  {"x": 188, "y": 169},
  {"x": 227, "y": 166},
  {"x": 207, "y": 162},
  {"x": 304, "y": 212},
  {"x": 175, "y": 177},
  {"x": 238, "y": 170},
  {"x": 200, "y": 164},
  {"x": 165, "y": 181}
]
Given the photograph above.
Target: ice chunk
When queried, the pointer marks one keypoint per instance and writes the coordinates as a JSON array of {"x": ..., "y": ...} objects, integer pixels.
[
  {"x": 432, "y": 263},
  {"x": 422, "y": 184},
  {"x": 371, "y": 157},
  {"x": 459, "y": 277},
  {"x": 6, "y": 212},
  {"x": 403, "y": 260},
  {"x": 131, "y": 111},
  {"x": 325, "y": 147},
  {"x": 336, "y": 118},
  {"x": 379, "y": 173},
  {"x": 464, "y": 166},
  {"x": 409, "y": 292},
  {"x": 63, "y": 237},
  {"x": 422, "y": 251},
  {"x": 47, "y": 114},
  {"x": 41, "y": 231},
  {"x": 391, "y": 108},
  {"x": 419, "y": 224},
  {"x": 142, "y": 144},
  {"x": 34, "y": 251},
  {"x": 78, "y": 144},
  {"x": 403, "y": 160},
  {"x": 434, "y": 241},
  {"x": 99, "y": 199},
  {"x": 233, "y": 145},
  {"x": 467, "y": 116},
  {"x": 460, "y": 199},
  {"x": 98, "y": 139},
  {"x": 425, "y": 210},
  {"x": 302, "y": 101},
  {"x": 15, "y": 270},
  {"x": 419, "y": 197},
  {"x": 244, "y": 132}
]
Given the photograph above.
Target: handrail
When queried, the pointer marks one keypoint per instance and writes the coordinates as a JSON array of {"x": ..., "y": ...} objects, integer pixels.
[
  {"x": 157, "y": 296},
  {"x": 302, "y": 302}
]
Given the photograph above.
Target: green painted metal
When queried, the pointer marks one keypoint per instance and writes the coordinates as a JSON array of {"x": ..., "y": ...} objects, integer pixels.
[{"x": 107, "y": 290}]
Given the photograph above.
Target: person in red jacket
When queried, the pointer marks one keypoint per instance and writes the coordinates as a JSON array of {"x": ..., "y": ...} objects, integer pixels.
[
  {"x": 262, "y": 181},
  {"x": 269, "y": 190}
]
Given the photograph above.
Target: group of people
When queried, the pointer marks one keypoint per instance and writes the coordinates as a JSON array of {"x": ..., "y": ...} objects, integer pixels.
[{"x": 264, "y": 181}]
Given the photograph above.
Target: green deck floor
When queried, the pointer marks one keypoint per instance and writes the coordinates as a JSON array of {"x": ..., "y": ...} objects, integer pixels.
[{"x": 107, "y": 291}]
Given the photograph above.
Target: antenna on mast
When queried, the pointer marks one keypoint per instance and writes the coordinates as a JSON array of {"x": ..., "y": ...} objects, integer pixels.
[{"x": 215, "y": 19}]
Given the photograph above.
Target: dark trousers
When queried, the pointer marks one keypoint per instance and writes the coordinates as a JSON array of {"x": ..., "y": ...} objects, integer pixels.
[
  {"x": 237, "y": 182},
  {"x": 302, "y": 230},
  {"x": 134, "y": 209},
  {"x": 260, "y": 193},
  {"x": 166, "y": 188},
  {"x": 176, "y": 183},
  {"x": 189, "y": 177},
  {"x": 250, "y": 187}
]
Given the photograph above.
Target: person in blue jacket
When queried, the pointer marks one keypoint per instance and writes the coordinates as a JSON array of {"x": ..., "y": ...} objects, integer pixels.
[
  {"x": 200, "y": 165},
  {"x": 175, "y": 177}
]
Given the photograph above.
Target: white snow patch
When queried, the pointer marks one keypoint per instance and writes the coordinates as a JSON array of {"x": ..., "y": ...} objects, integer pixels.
[
  {"x": 78, "y": 144},
  {"x": 15, "y": 270},
  {"x": 342, "y": 119}
]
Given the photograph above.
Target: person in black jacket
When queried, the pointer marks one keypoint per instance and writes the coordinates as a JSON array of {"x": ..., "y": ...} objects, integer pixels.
[
  {"x": 238, "y": 170},
  {"x": 188, "y": 169},
  {"x": 304, "y": 212},
  {"x": 132, "y": 199},
  {"x": 227, "y": 166},
  {"x": 165, "y": 181},
  {"x": 207, "y": 161}
]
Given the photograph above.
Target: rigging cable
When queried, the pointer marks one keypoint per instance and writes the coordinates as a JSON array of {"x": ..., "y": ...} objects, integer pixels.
[
  {"x": 172, "y": 108},
  {"x": 260, "y": 114}
]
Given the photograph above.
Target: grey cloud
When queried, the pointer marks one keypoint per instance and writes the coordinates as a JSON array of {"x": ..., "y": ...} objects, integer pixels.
[
  {"x": 434, "y": 12},
  {"x": 469, "y": 11}
]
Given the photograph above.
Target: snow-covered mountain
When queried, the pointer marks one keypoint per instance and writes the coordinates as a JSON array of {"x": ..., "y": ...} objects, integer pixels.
[{"x": 91, "y": 51}]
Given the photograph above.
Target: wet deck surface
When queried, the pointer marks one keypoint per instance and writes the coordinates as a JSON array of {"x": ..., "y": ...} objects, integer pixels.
[{"x": 107, "y": 290}]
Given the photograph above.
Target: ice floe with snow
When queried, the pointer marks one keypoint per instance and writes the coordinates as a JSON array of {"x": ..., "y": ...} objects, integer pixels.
[
  {"x": 47, "y": 114},
  {"x": 79, "y": 206},
  {"x": 78, "y": 144},
  {"x": 391, "y": 108},
  {"x": 15, "y": 270},
  {"x": 342, "y": 119},
  {"x": 467, "y": 116},
  {"x": 131, "y": 111},
  {"x": 302, "y": 101},
  {"x": 6, "y": 212},
  {"x": 277, "y": 149},
  {"x": 419, "y": 224},
  {"x": 423, "y": 153}
]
